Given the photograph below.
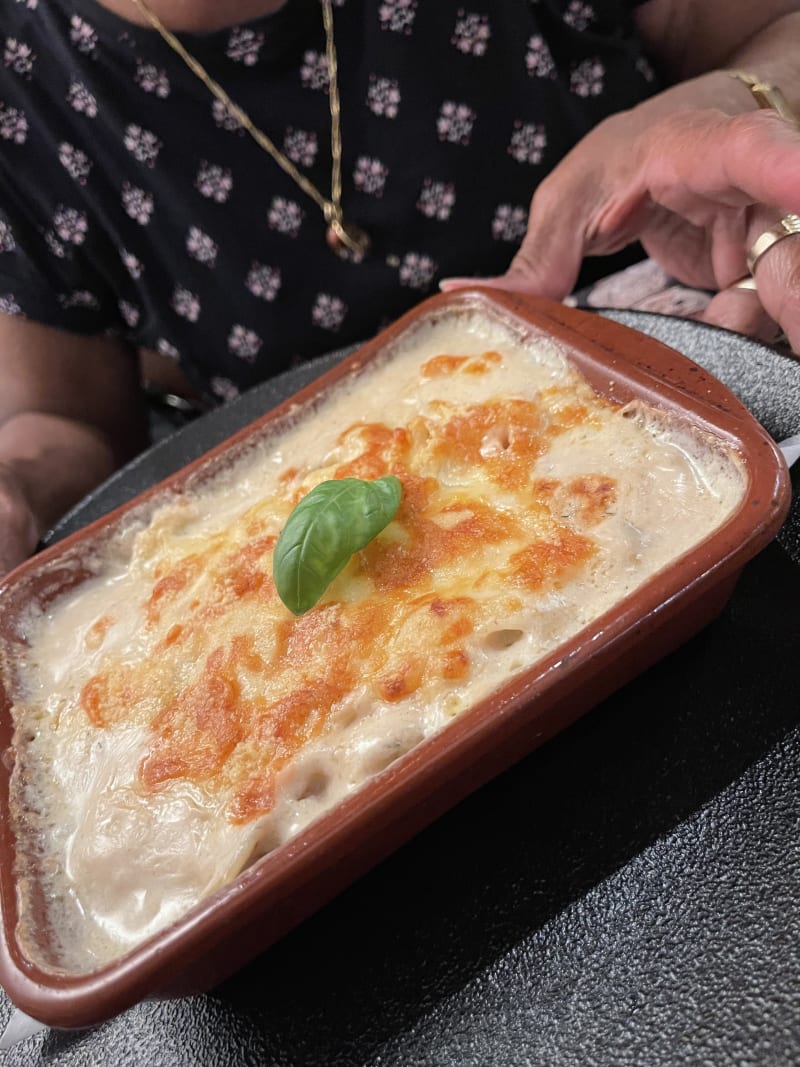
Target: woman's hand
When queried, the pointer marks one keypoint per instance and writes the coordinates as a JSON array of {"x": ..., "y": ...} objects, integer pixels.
[{"x": 696, "y": 188}]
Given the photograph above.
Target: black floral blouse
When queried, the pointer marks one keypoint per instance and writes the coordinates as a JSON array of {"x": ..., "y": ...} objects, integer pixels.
[{"x": 131, "y": 201}]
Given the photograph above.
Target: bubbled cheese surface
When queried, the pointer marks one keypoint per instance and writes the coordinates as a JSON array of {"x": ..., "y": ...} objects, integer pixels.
[{"x": 175, "y": 721}]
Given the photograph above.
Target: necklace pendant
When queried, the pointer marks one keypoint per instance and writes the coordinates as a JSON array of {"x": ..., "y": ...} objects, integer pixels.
[{"x": 347, "y": 240}]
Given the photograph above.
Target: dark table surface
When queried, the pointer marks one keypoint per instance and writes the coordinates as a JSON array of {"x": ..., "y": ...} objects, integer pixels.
[{"x": 628, "y": 894}]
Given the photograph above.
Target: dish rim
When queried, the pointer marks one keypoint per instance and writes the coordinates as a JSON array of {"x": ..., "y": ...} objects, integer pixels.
[{"x": 663, "y": 376}]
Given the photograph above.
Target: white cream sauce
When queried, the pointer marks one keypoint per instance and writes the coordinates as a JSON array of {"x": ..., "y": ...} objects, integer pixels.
[{"x": 118, "y": 864}]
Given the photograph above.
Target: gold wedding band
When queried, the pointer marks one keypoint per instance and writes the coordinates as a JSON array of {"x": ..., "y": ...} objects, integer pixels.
[{"x": 788, "y": 226}]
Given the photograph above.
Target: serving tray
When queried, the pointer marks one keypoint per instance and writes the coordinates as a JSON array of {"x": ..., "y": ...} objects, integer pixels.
[{"x": 621, "y": 896}]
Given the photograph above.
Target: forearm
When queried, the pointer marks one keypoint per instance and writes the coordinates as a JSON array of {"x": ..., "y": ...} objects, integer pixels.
[
  {"x": 770, "y": 53},
  {"x": 774, "y": 55},
  {"x": 52, "y": 461},
  {"x": 71, "y": 411}
]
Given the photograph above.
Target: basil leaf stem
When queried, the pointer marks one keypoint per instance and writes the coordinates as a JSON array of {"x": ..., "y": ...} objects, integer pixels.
[{"x": 334, "y": 520}]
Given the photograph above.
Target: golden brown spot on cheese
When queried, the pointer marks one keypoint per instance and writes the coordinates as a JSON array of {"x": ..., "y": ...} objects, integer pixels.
[
  {"x": 256, "y": 798},
  {"x": 197, "y": 731},
  {"x": 172, "y": 635},
  {"x": 385, "y": 448},
  {"x": 454, "y": 664},
  {"x": 596, "y": 494},
  {"x": 243, "y": 572},
  {"x": 431, "y": 544},
  {"x": 170, "y": 585},
  {"x": 402, "y": 682},
  {"x": 277, "y": 732},
  {"x": 440, "y": 366},
  {"x": 586, "y": 499},
  {"x": 94, "y": 699},
  {"x": 471, "y": 438},
  {"x": 96, "y": 633},
  {"x": 120, "y": 692},
  {"x": 244, "y": 654},
  {"x": 232, "y": 717},
  {"x": 548, "y": 562}
]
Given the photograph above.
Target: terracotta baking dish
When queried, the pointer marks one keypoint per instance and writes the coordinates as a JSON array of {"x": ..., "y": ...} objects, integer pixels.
[{"x": 269, "y": 898}]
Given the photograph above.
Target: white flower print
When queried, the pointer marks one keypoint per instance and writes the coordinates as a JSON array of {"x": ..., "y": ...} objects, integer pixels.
[
  {"x": 214, "y": 182},
  {"x": 224, "y": 119},
  {"x": 152, "y": 80},
  {"x": 383, "y": 96},
  {"x": 539, "y": 59},
  {"x": 328, "y": 312},
  {"x": 7, "y": 242},
  {"x": 55, "y": 246},
  {"x": 9, "y": 305},
  {"x": 82, "y": 35},
  {"x": 76, "y": 163},
  {"x": 417, "y": 270},
  {"x": 300, "y": 146},
  {"x": 133, "y": 265},
  {"x": 142, "y": 144},
  {"x": 314, "y": 70},
  {"x": 578, "y": 15},
  {"x": 30, "y": 4},
  {"x": 70, "y": 224},
  {"x": 285, "y": 216},
  {"x": 79, "y": 98},
  {"x": 137, "y": 203},
  {"x": 528, "y": 142},
  {"x": 244, "y": 343},
  {"x": 185, "y": 303},
  {"x": 224, "y": 388},
  {"x": 244, "y": 44},
  {"x": 201, "y": 247},
  {"x": 19, "y": 56},
  {"x": 79, "y": 298},
  {"x": 166, "y": 348},
  {"x": 455, "y": 122},
  {"x": 586, "y": 79},
  {"x": 471, "y": 34},
  {"x": 397, "y": 15},
  {"x": 263, "y": 281},
  {"x": 436, "y": 199},
  {"x": 130, "y": 313},
  {"x": 369, "y": 175},
  {"x": 509, "y": 223},
  {"x": 13, "y": 124}
]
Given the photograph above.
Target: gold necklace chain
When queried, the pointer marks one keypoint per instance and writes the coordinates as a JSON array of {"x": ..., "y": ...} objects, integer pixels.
[{"x": 346, "y": 239}]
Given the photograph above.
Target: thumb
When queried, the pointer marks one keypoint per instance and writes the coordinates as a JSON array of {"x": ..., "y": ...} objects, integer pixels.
[{"x": 549, "y": 258}]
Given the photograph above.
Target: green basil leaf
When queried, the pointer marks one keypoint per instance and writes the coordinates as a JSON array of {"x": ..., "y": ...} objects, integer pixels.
[{"x": 330, "y": 523}]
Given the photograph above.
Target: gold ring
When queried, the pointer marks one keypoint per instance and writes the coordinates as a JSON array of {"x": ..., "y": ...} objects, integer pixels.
[
  {"x": 787, "y": 227},
  {"x": 748, "y": 282}
]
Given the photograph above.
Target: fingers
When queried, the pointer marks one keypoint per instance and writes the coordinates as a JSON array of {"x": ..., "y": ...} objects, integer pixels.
[
  {"x": 552, "y": 250},
  {"x": 694, "y": 180},
  {"x": 768, "y": 304},
  {"x": 777, "y": 275},
  {"x": 742, "y": 311},
  {"x": 696, "y": 163}
]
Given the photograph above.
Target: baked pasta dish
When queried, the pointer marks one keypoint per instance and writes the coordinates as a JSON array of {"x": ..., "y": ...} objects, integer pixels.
[{"x": 175, "y": 722}]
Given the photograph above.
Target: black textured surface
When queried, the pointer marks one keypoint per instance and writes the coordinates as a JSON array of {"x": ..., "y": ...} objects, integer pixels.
[{"x": 627, "y": 895}]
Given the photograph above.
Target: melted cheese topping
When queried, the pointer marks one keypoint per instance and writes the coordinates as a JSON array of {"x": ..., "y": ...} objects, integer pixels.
[{"x": 176, "y": 721}]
